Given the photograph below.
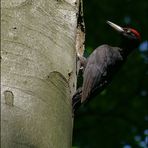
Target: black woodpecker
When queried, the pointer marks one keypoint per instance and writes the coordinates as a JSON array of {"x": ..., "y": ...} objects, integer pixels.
[{"x": 103, "y": 63}]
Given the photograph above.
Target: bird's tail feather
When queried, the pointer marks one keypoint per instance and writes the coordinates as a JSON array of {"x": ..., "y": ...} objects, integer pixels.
[{"x": 76, "y": 100}]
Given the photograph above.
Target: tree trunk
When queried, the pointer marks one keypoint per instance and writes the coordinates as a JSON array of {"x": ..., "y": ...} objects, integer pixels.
[{"x": 38, "y": 62}]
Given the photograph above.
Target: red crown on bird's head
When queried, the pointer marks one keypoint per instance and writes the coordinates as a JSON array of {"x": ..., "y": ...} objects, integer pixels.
[{"x": 136, "y": 33}]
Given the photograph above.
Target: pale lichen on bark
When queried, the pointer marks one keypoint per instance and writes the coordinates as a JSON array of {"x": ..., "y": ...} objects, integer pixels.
[
  {"x": 80, "y": 36},
  {"x": 38, "y": 72}
]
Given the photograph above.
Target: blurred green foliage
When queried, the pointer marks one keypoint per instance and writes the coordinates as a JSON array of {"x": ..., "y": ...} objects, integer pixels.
[{"x": 118, "y": 117}]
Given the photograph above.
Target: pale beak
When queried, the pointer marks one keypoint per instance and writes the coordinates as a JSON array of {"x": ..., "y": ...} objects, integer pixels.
[{"x": 116, "y": 27}]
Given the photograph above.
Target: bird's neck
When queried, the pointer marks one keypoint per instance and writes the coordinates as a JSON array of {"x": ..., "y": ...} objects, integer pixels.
[{"x": 126, "y": 47}]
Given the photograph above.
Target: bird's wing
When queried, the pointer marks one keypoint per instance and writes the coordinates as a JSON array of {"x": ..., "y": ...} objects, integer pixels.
[{"x": 95, "y": 69}]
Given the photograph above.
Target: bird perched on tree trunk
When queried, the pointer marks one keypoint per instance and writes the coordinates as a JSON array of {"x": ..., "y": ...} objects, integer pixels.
[{"x": 103, "y": 63}]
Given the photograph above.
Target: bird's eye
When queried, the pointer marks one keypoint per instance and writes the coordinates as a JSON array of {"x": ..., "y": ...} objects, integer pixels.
[{"x": 128, "y": 31}]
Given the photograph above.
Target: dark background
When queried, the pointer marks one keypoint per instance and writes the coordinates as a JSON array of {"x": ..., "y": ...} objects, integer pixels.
[{"x": 118, "y": 117}]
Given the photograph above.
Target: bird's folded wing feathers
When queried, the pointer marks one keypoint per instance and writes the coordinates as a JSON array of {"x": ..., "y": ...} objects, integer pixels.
[{"x": 93, "y": 73}]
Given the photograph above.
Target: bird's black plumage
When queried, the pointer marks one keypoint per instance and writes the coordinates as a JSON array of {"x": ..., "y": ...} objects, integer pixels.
[
  {"x": 103, "y": 63},
  {"x": 100, "y": 66}
]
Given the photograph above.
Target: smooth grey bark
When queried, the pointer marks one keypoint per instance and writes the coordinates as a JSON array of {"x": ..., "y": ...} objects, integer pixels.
[{"x": 38, "y": 72}]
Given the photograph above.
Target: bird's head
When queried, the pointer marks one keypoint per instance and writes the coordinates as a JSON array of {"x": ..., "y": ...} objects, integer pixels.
[{"x": 130, "y": 36}]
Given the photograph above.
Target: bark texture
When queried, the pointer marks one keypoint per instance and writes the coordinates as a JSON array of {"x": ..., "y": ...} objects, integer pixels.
[{"x": 38, "y": 72}]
